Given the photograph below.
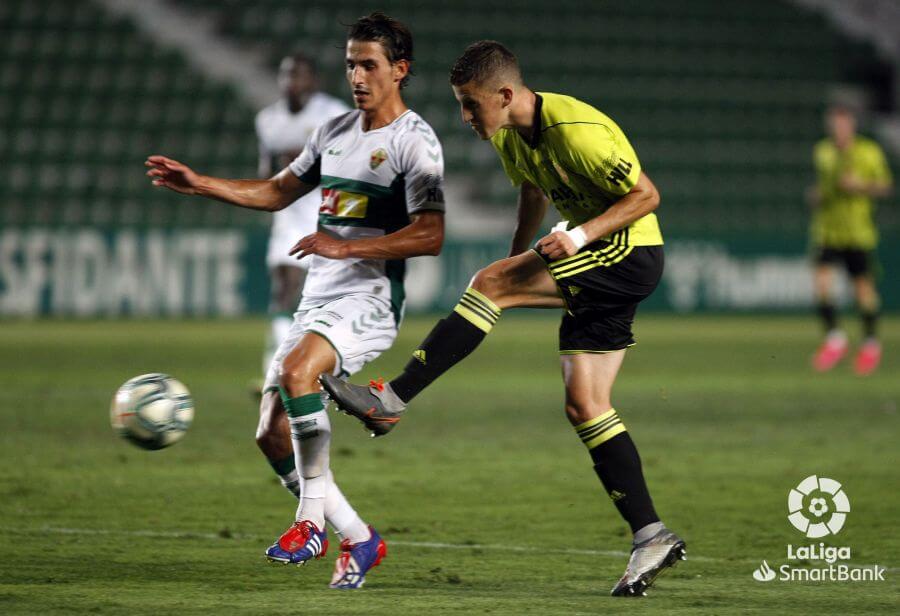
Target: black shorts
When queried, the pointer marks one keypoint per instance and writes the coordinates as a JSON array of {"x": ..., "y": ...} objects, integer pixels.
[
  {"x": 857, "y": 262},
  {"x": 602, "y": 286}
]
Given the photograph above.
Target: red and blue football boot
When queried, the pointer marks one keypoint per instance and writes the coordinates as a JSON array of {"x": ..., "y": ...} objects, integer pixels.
[
  {"x": 302, "y": 542},
  {"x": 355, "y": 561}
]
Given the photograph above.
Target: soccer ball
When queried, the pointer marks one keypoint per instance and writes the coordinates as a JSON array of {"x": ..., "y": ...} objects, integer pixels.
[{"x": 152, "y": 410}]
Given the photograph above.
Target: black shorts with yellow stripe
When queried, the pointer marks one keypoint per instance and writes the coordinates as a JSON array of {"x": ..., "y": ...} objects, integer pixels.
[{"x": 602, "y": 286}]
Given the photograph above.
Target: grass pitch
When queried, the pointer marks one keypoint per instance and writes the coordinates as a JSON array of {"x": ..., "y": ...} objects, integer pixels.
[{"x": 485, "y": 496}]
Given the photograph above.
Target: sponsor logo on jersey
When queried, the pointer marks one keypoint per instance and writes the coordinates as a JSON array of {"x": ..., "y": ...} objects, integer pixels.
[
  {"x": 377, "y": 157},
  {"x": 344, "y": 204},
  {"x": 619, "y": 172}
]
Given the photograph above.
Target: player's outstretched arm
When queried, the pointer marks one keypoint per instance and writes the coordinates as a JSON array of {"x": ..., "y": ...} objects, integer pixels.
[
  {"x": 642, "y": 199},
  {"x": 424, "y": 235},
  {"x": 270, "y": 195},
  {"x": 532, "y": 207}
]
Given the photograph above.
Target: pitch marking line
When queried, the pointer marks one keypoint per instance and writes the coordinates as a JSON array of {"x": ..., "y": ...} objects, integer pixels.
[{"x": 413, "y": 544}]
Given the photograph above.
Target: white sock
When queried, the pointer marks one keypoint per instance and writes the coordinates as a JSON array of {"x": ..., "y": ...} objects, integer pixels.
[
  {"x": 341, "y": 515},
  {"x": 311, "y": 437}
]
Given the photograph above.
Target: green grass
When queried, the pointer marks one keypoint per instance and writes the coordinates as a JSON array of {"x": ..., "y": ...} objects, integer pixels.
[{"x": 725, "y": 411}]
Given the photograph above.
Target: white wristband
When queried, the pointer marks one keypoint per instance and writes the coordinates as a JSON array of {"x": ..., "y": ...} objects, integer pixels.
[{"x": 577, "y": 236}]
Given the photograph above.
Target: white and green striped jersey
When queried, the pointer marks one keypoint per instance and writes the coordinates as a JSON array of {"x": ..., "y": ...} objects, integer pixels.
[{"x": 372, "y": 181}]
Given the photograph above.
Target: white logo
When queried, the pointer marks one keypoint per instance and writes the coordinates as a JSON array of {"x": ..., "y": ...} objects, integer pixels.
[
  {"x": 764, "y": 573},
  {"x": 825, "y": 503}
]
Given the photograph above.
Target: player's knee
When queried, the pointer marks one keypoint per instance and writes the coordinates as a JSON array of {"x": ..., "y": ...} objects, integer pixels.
[
  {"x": 490, "y": 282},
  {"x": 577, "y": 413},
  {"x": 298, "y": 376}
]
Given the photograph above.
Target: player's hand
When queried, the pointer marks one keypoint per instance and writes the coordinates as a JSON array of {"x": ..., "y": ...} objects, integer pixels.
[
  {"x": 850, "y": 183},
  {"x": 321, "y": 244},
  {"x": 557, "y": 245},
  {"x": 172, "y": 174}
]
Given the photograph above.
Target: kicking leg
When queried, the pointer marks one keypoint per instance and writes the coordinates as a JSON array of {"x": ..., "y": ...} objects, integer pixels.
[{"x": 520, "y": 281}]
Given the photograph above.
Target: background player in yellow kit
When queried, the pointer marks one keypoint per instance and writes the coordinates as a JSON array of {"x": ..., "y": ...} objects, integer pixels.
[
  {"x": 850, "y": 171},
  {"x": 598, "y": 268}
]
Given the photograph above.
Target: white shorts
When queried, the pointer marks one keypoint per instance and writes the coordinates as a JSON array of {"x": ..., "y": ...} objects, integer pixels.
[{"x": 360, "y": 327}]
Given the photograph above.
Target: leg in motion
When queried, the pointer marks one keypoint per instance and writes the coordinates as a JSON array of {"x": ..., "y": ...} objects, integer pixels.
[
  {"x": 311, "y": 437},
  {"x": 520, "y": 281},
  {"x": 589, "y": 378},
  {"x": 868, "y": 302},
  {"x": 834, "y": 347},
  {"x": 273, "y": 437},
  {"x": 362, "y": 548}
]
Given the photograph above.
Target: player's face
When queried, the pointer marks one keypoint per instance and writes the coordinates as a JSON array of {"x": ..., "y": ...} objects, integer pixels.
[
  {"x": 372, "y": 76},
  {"x": 295, "y": 79},
  {"x": 482, "y": 108},
  {"x": 841, "y": 126}
]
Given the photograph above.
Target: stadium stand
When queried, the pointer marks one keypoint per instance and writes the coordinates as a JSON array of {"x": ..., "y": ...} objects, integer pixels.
[
  {"x": 84, "y": 98},
  {"x": 722, "y": 99}
]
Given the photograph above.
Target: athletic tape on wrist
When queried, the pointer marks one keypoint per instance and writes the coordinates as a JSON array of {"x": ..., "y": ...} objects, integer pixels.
[{"x": 577, "y": 236}]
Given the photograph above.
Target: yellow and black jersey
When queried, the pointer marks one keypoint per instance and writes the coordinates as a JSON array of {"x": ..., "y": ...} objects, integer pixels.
[
  {"x": 582, "y": 161},
  {"x": 844, "y": 220}
]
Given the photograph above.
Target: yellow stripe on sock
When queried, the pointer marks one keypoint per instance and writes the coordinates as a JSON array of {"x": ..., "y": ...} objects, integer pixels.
[
  {"x": 474, "y": 318},
  {"x": 483, "y": 300},
  {"x": 593, "y": 422},
  {"x": 618, "y": 428},
  {"x": 613, "y": 427}
]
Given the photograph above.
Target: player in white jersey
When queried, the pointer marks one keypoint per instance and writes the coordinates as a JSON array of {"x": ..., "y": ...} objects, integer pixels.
[
  {"x": 282, "y": 129},
  {"x": 381, "y": 169}
]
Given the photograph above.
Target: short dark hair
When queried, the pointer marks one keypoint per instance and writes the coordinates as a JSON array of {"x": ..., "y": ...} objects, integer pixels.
[
  {"x": 301, "y": 58},
  {"x": 483, "y": 60},
  {"x": 394, "y": 36}
]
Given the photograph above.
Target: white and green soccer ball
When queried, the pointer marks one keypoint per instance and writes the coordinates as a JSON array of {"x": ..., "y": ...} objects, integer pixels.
[{"x": 152, "y": 411}]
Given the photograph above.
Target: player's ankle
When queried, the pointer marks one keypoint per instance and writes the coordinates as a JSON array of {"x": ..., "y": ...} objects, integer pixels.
[{"x": 646, "y": 532}]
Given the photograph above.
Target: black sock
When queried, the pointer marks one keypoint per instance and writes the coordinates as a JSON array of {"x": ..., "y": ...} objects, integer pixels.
[
  {"x": 451, "y": 341},
  {"x": 870, "y": 323},
  {"x": 828, "y": 315},
  {"x": 618, "y": 465}
]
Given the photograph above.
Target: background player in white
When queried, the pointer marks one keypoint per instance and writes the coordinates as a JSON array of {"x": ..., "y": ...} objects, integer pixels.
[
  {"x": 282, "y": 129},
  {"x": 381, "y": 169}
]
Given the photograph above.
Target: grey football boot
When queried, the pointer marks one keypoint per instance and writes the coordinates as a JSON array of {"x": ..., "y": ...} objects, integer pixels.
[
  {"x": 377, "y": 406},
  {"x": 648, "y": 559}
]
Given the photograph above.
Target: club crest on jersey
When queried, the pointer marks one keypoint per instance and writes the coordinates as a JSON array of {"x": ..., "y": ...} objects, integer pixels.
[{"x": 377, "y": 157}]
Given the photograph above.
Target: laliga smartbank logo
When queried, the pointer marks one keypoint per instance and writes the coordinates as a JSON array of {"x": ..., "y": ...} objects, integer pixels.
[{"x": 818, "y": 507}]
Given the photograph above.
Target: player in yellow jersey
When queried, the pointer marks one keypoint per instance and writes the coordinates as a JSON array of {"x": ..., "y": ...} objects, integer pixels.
[
  {"x": 606, "y": 258},
  {"x": 850, "y": 171}
]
